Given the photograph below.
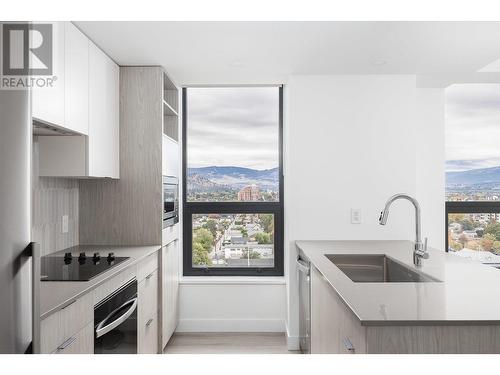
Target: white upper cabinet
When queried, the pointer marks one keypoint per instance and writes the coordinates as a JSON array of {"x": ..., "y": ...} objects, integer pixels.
[
  {"x": 104, "y": 133},
  {"x": 76, "y": 80},
  {"x": 48, "y": 102},
  {"x": 88, "y": 93}
]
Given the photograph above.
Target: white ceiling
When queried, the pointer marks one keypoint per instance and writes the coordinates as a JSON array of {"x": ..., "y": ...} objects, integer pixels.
[{"x": 268, "y": 52}]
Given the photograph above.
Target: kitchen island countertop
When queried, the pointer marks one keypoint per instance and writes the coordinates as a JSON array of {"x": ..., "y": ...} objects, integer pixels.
[{"x": 467, "y": 291}]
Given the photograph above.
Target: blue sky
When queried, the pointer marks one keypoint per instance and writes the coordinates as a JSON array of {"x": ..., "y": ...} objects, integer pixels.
[{"x": 472, "y": 132}]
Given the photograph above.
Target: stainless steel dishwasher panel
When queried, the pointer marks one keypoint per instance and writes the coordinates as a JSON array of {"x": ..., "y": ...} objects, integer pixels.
[{"x": 303, "y": 267}]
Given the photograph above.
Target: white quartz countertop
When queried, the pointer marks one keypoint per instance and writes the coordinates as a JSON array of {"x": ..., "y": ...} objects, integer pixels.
[
  {"x": 468, "y": 291},
  {"x": 54, "y": 295}
]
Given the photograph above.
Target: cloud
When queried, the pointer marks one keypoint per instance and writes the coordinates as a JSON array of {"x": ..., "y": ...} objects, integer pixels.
[
  {"x": 233, "y": 126},
  {"x": 472, "y": 126}
]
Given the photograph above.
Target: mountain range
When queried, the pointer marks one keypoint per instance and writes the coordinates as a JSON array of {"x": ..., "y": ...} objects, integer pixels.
[
  {"x": 216, "y": 178},
  {"x": 482, "y": 177}
]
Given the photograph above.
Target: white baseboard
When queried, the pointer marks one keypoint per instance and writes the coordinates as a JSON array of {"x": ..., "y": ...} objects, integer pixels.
[
  {"x": 231, "y": 325},
  {"x": 292, "y": 342}
]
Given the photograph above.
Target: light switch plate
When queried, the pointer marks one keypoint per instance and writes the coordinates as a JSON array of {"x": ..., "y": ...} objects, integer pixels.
[
  {"x": 65, "y": 224},
  {"x": 355, "y": 215}
]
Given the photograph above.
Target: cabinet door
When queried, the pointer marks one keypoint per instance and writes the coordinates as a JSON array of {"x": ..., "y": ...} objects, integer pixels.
[
  {"x": 326, "y": 316},
  {"x": 48, "y": 103},
  {"x": 170, "y": 290},
  {"x": 76, "y": 80},
  {"x": 103, "y": 143},
  {"x": 147, "y": 315},
  {"x": 81, "y": 343}
]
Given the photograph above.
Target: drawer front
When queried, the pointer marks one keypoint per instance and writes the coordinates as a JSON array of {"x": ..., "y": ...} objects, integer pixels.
[
  {"x": 65, "y": 323},
  {"x": 147, "y": 266},
  {"x": 110, "y": 286},
  {"x": 81, "y": 343},
  {"x": 148, "y": 336},
  {"x": 147, "y": 318},
  {"x": 170, "y": 234}
]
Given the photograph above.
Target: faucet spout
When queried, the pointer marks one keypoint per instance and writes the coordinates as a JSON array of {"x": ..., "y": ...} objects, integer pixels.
[{"x": 420, "y": 250}]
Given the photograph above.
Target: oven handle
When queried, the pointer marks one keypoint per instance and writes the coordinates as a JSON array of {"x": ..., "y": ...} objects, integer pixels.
[{"x": 102, "y": 329}]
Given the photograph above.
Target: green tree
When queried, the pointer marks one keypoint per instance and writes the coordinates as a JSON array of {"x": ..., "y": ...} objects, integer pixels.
[
  {"x": 200, "y": 255},
  {"x": 496, "y": 247},
  {"x": 467, "y": 224},
  {"x": 204, "y": 238},
  {"x": 267, "y": 222},
  {"x": 494, "y": 229},
  {"x": 463, "y": 240},
  {"x": 455, "y": 246},
  {"x": 263, "y": 238},
  {"x": 487, "y": 242},
  {"x": 211, "y": 225},
  {"x": 254, "y": 255}
]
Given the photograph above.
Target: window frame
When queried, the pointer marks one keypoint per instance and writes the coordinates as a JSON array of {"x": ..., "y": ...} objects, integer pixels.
[
  {"x": 467, "y": 207},
  {"x": 191, "y": 208}
]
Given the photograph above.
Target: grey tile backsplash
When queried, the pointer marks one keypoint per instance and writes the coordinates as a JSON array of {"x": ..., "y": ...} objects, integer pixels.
[{"x": 53, "y": 198}]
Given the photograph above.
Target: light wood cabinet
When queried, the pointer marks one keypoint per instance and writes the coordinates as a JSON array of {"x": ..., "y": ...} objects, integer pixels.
[
  {"x": 60, "y": 329},
  {"x": 334, "y": 328},
  {"x": 170, "y": 290},
  {"x": 147, "y": 315},
  {"x": 80, "y": 343}
]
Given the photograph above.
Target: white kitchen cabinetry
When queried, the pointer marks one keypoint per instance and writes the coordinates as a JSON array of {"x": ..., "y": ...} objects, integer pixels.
[
  {"x": 48, "y": 102},
  {"x": 104, "y": 133},
  {"x": 170, "y": 289},
  {"x": 91, "y": 107},
  {"x": 76, "y": 97}
]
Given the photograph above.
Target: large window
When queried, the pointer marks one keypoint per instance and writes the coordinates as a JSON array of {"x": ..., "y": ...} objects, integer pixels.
[
  {"x": 473, "y": 171},
  {"x": 233, "y": 193}
]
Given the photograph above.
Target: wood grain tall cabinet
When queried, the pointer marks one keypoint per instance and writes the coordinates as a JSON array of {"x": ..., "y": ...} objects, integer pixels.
[{"x": 128, "y": 211}]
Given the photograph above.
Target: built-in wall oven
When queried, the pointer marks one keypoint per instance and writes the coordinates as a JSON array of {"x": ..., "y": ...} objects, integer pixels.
[
  {"x": 115, "y": 321},
  {"x": 170, "y": 201}
]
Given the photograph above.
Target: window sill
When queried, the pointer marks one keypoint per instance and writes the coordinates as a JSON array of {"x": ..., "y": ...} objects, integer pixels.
[{"x": 232, "y": 280}]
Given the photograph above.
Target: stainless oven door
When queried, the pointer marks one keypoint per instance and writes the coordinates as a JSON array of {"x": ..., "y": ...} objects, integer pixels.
[
  {"x": 115, "y": 321},
  {"x": 170, "y": 200}
]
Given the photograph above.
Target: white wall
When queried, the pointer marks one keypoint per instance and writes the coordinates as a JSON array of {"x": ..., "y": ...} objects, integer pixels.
[
  {"x": 430, "y": 106},
  {"x": 232, "y": 306},
  {"x": 351, "y": 142}
]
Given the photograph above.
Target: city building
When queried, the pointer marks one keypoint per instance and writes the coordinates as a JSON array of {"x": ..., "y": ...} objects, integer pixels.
[{"x": 249, "y": 193}]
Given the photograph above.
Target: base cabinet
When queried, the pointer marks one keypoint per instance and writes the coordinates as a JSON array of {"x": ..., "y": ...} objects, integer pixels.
[
  {"x": 147, "y": 315},
  {"x": 81, "y": 343},
  {"x": 336, "y": 330},
  {"x": 147, "y": 312},
  {"x": 170, "y": 290}
]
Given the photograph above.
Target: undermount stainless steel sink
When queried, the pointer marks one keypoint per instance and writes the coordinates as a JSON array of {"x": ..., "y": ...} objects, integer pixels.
[{"x": 367, "y": 268}]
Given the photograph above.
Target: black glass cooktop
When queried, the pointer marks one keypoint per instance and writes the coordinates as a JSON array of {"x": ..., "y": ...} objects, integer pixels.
[{"x": 77, "y": 268}]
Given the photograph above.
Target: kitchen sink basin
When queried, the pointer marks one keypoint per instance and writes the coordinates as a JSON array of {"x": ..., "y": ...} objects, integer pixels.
[{"x": 367, "y": 268}]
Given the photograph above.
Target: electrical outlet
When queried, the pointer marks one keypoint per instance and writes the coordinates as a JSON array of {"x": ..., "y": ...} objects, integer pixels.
[
  {"x": 65, "y": 224},
  {"x": 355, "y": 215}
]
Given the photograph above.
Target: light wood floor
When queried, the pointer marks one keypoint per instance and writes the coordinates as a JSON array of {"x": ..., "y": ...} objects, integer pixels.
[{"x": 227, "y": 343}]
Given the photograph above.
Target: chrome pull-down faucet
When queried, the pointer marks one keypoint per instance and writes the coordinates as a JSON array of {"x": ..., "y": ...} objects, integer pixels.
[{"x": 420, "y": 250}]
